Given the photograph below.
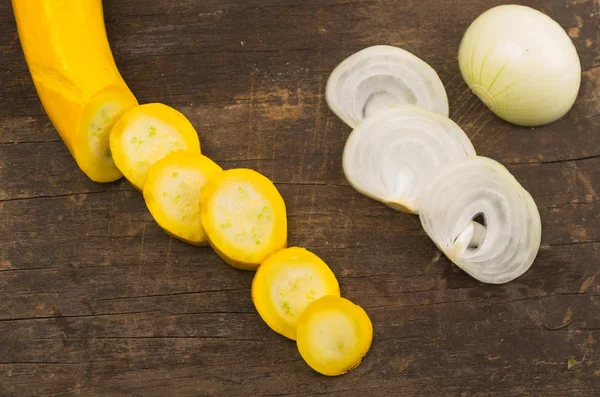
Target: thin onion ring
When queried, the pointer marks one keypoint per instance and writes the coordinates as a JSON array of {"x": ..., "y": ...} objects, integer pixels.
[{"x": 481, "y": 186}]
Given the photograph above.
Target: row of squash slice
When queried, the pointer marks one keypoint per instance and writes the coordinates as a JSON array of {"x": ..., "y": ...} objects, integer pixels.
[{"x": 239, "y": 212}]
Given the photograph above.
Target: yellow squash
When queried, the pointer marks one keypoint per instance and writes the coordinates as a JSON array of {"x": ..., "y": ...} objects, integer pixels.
[
  {"x": 244, "y": 217},
  {"x": 333, "y": 335},
  {"x": 172, "y": 194},
  {"x": 288, "y": 281},
  {"x": 75, "y": 75},
  {"x": 147, "y": 133}
]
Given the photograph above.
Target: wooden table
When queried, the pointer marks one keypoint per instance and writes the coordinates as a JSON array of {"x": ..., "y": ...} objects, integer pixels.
[{"x": 95, "y": 300}]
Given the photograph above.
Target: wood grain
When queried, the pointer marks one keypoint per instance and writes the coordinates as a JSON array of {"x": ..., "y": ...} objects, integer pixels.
[{"x": 96, "y": 301}]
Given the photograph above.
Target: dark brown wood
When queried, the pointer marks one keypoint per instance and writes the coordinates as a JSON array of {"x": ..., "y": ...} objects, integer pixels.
[{"x": 95, "y": 300}]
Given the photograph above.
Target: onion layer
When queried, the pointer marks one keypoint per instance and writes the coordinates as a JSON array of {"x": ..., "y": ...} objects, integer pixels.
[
  {"x": 507, "y": 244},
  {"x": 393, "y": 153},
  {"x": 379, "y": 76},
  {"x": 521, "y": 64}
]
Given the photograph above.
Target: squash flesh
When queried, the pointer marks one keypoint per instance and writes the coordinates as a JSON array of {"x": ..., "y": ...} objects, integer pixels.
[
  {"x": 244, "y": 217},
  {"x": 286, "y": 283},
  {"x": 172, "y": 194},
  {"x": 333, "y": 335},
  {"x": 146, "y": 134}
]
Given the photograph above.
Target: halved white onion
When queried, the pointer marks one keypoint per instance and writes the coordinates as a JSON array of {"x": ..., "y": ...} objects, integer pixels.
[
  {"x": 502, "y": 249},
  {"x": 392, "y": 154},
  {"x": 380, "y": 76}
]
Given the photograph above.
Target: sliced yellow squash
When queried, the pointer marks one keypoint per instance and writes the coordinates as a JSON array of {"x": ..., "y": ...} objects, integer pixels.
[
  {"x": 333, "y": 335},
  {"x": 288, "y": 281},
  {"x": 146, "y": 134},
  {"x": 75, "y": 76},
  {"x": 244, "y": 217},
  {"x": 172, "y": 194}
]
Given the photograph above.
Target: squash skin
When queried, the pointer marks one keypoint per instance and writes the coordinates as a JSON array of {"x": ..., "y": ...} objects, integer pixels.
[{"x": 75, "y": 75}]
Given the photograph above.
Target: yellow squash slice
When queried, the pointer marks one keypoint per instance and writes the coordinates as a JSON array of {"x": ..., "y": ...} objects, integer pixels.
[
  {"x": 244, "y": 217},
  {"x": 172, "y": 194},
  {"x": 146, "y": 134},
  {"x": 75, "y": 76},
  {"x": 333, "y": 335},
  {"x": 286, "y": 283}
]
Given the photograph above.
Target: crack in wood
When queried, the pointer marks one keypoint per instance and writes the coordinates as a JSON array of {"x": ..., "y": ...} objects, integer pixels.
[
  {"x": 51, "y": 196},
  {"x": 584, "y": 158},
  {"x": 172, "y": 294},
  {"x": 15, "y": 319}
]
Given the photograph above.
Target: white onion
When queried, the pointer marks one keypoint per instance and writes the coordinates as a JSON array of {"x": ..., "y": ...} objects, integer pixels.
[
  {"x": 379, "y": 76},
  {"x": 506, "y": 246},
  {"x": 394, "y": 152},
  {"x": 521, "y": 64}
]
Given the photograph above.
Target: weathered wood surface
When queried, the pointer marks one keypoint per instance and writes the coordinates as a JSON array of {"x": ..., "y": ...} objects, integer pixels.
[{"x": 96, "y": 301}]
